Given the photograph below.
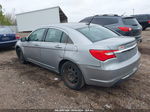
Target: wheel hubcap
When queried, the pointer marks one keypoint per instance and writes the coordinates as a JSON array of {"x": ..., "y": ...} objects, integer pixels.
[{"x": 71, "y": 75}]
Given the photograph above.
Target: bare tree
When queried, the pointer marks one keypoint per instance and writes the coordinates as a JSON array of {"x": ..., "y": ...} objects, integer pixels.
[
  {"x": 11, "y": 17},
  {"x": 7, "y": 18}
]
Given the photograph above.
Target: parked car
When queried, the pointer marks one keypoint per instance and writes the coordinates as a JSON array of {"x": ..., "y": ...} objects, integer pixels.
[
  {"x": 126, "y": 26},
  {"x": 7, "y": 37},
  {"x": 82, "y": 54},
  {"x": 143, "y": 19}
]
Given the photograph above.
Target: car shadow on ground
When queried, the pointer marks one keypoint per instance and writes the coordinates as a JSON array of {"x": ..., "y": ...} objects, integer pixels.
[
  {"x": 37, "y": 74},
  {"x": 31, "y": 74},
  {"x": 106, "y": 89},
  {"x": 144, "y": 50},
  {"x": 6, "y": 49},
  {"x": 148, "y": 29},
  {"x": 46, "y": 78}
]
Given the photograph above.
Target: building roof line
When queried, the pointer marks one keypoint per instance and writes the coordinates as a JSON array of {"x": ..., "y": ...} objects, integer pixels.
[{"x": 39, "y": 10}]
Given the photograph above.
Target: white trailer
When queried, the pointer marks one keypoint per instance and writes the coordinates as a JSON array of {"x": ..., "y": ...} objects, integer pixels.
[{"x": 29, "y": 21}]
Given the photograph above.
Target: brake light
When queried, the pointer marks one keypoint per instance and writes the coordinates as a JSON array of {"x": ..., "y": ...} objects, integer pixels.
[
  {"x": 149, "y": 21},
  {"x": 125, "y": 29},
  {"x": 17, "y": 36},
  {"x": 103, "y": 55}
]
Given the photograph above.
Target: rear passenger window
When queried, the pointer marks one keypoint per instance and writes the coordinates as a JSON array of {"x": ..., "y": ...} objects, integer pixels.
[
  {"x": 105, "y": 21},
  {"x": 65, "y": 39},
  {"x": 53, "y": 35}
]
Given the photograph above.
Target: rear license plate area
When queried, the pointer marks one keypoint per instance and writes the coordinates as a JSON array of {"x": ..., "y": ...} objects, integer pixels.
[{"x": 5, "y": 38}]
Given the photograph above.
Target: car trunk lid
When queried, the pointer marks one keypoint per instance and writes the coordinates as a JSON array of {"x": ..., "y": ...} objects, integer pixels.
[
  {"x": 7, "y": 37},
  {"x": 126, "y": 47}
]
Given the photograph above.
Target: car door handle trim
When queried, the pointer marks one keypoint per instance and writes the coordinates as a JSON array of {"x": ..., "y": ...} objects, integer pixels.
[
  {"x": 57, "y": 46},
  {"x": 35, "y": 45}
]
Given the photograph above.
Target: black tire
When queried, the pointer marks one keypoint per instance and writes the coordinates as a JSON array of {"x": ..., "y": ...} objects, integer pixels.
[
  {"x": 72, "y": 76},
  {"x": 21, "y": 56},
  {"x": 144, "y": 28}
]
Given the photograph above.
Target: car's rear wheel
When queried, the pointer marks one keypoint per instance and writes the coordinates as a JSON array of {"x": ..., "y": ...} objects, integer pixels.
[
  {"x": 144, "y": 28},
  {"x": 72, "y": 76},
  {"x": 21, "y": 56}
]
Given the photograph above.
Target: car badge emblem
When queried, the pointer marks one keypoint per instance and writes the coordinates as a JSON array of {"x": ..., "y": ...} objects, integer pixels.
[{"x": 121, "y": 47}]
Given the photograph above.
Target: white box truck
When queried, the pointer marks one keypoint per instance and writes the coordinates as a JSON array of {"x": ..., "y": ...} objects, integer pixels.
[{"x": 29, "y": 21}]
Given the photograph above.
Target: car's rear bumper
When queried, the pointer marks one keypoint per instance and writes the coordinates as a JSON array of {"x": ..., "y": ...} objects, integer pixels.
[
  {"x": 109, "y": 77},
  {"x": 138, "y": 38},
  {"x": 8, "y": 43}
]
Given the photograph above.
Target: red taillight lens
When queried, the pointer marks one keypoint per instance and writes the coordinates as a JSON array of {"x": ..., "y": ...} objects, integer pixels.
[
  {"x": 149, "y": 21},
  {"x": 17, "y": 36},
  {"x": 103, "y": 55},
  {"x": 125, "y": 29}
]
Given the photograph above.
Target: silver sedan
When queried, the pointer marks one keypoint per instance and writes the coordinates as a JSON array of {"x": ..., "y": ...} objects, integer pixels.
[{"x": 81, "y": 53}]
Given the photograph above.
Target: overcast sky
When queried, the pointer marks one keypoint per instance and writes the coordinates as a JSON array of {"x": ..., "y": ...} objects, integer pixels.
[{"x": 78, "y": 9}]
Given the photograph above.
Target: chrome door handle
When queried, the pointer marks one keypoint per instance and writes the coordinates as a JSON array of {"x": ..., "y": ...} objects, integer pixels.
[{"x": 58, "y": 46}]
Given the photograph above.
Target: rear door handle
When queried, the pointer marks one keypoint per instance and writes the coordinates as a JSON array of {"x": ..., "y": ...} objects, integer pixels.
[
  {"x": 58, "y": 46},
  {"x": 35, "y": 45}
]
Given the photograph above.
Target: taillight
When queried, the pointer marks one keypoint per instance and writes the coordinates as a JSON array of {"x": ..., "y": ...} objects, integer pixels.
[
  {"x": 17, "y": 36},
  {"x": 125, "y": 29},
  {"x": 149, "y": 21},
  {"x": 103, "y": 55}
]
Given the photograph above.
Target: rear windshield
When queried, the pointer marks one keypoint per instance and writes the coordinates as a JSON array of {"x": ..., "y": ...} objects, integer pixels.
[
  {"x": 5, "y": 31},
  {"x": 105, "y": 21},
  {"x": 101, "y": 21},
  {"x": 130, "y": 21},
  {"x": 97, "y": 33}
]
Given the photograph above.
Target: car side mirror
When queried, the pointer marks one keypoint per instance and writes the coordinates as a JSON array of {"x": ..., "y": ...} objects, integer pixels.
[{"x": 23, "y": 39}]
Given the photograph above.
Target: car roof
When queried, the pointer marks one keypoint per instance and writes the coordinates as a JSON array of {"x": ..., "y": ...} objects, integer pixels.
[
  {"x": 69, "y": 25},
  {"x": 101, "y": 16},
  {"x": 4, "y": 27},
  {"x": 109, "y": 16}
]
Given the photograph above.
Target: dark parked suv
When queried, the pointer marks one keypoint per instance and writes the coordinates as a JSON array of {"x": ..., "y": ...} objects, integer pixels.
[
  {"x": 143, "y": 19},
  {"x": 127, "y": 26}
]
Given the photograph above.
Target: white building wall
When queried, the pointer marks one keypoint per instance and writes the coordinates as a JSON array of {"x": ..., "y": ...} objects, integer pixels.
[{"x": 32, "y": 20}]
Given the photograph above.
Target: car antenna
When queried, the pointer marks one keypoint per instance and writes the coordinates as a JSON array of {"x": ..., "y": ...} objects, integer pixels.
[
  {"x": 91, "y": 20},
  {"x": 123, "y": 14}
]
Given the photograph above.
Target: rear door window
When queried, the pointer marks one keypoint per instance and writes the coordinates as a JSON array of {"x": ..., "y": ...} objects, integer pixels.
[
  {"x": 105, "y": 21},
  {"x": 5, "y": 31},
  {"x": 66, "y": 39},
  {"x": 57, "y": 36},
  {"x": 53, "y": 35},
  {"x": 130, "y": 21}
]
